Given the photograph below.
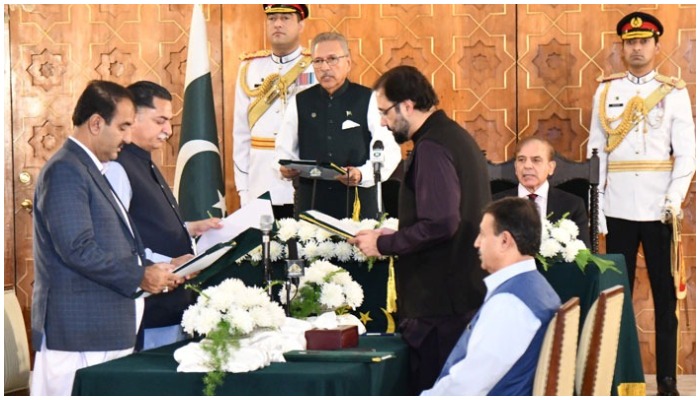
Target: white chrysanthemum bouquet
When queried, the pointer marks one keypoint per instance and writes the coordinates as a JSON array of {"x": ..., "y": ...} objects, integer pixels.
[
  {"x": 560, "y": 243},
  {"x": 324, "y": 287},
  {"x": 224, "y": 314},
  {"x": 315, "y": 243}
]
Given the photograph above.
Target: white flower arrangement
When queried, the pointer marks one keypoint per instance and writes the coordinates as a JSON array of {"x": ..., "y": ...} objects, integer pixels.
[
  {"x": 324, "y": 287},
  {"x": 224, "y": 314},
  {"x": 560, "y": 243},
  {"x": 315, "y": 243}
]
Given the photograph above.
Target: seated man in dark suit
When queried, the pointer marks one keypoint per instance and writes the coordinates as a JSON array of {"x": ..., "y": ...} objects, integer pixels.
[{"x": 534, "y": 162}]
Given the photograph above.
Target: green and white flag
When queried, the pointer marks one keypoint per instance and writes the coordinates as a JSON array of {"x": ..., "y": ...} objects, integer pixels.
[{"x": 199, "y": 184}]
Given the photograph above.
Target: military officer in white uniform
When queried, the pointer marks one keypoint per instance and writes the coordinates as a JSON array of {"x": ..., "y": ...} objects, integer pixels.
[
  {"x": 266, "y": 81},
  {"x": 642, "y": 125}
]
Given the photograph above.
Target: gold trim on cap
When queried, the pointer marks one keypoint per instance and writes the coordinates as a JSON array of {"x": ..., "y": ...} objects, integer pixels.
[{"x": 637, "y": 35}]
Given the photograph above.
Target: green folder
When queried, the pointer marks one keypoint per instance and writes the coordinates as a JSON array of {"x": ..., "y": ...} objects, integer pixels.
[
  {"x": 315, "y": 170},
  {"x": 341, "y": 355},
  {"x": 200, "y": 263}
]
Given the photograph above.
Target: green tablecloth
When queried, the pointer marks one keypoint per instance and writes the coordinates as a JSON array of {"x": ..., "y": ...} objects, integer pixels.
[
  {"x": 154, "y": 372},
  {"x": 568, "y": 282}
]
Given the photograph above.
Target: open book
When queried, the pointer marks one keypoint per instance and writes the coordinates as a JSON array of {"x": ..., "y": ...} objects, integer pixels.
[
  {"x": 315, "y": 170},
  {"x": 197, "y": 264},
  {"x": 329, "y": 223}
]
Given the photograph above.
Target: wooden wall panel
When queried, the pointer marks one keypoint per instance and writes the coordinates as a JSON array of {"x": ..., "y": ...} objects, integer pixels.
[
  {"x": 55, "y": 50},
  {"x": 8, "y": 210},
  {"x": 503, "y": 72}
]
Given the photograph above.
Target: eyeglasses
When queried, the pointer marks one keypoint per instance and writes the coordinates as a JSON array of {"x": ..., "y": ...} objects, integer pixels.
[
  {"x": 383, "y": 113},
  {"x": 331, "y": 61}
]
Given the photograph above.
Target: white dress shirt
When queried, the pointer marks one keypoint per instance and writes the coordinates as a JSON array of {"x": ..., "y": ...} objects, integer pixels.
[
  {"x": 499, "y": 338},
  {"x": 541, "y": 201}
]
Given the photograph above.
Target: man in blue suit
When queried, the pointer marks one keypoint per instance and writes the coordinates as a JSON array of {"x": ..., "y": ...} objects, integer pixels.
[{"x": 88, "y": 257}]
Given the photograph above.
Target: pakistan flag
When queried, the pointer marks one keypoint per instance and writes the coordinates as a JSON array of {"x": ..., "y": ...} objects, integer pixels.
[{"x": 199, "y": 184}]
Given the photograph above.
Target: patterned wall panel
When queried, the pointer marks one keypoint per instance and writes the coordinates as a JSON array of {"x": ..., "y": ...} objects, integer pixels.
[{"x": 55, "y": 50}]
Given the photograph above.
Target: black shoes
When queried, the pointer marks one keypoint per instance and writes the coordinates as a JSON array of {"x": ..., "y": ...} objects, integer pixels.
[{"x": 667, "y": 387}]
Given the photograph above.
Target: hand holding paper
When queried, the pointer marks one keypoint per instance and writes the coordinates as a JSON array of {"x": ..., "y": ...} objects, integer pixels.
[{"x": 235, "y": 224}]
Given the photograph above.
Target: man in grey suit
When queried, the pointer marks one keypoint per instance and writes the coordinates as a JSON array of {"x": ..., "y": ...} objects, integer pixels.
[{"x": 88, "y": 257}]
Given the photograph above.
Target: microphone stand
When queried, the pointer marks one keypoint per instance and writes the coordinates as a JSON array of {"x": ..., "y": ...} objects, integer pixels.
[
  {"x": 266, "y": 226},
  {"x": 313, "y": 191},
  {"x": 378, "y": 184}
]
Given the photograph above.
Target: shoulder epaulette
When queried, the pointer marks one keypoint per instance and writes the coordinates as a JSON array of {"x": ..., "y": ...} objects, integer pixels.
[
  {"x": 612, "y": 77},
  {"x": 255, "y": 54},
  {"x": 305, "y": 52},
  {"x": 678, "y": 83}
]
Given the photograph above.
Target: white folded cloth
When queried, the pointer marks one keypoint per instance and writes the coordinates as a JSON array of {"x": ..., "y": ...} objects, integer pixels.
[{"x": 265, "y": 346}]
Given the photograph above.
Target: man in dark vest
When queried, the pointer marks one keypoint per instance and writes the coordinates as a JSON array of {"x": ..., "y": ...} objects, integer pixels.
[
  {"x": 146, "y": 194},
  {"x": 335, "y": 121},
  {"x": 438, "y": 280},
  {"x": 497, "y": 354}
]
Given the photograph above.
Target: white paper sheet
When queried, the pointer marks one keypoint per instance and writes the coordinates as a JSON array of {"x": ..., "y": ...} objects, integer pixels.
[{"x": 233, "y": 225}]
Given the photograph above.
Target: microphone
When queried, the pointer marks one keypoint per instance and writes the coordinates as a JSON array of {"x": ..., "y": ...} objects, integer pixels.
[
  {"x": 377, "y": 159},
  {"x": 266, "y": 226},
  {"x": 295, "y": 265},
  {"x": 294, "y": 271}
]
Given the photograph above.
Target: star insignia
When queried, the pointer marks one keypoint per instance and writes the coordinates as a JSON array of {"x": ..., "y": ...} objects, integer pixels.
[
  {"x": 348, "y": 113},
  {"x": 364, "y": 317},
  {"x": 221, "y": 204}
]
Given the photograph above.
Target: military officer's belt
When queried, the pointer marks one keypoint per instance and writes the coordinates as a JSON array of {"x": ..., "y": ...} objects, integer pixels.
[
  {"x": 643, "y": 165},
  {"x": 262, "y": 143}
]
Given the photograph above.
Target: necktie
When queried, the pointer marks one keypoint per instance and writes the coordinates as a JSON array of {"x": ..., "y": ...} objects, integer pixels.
[{"x": 532, "y": 196}]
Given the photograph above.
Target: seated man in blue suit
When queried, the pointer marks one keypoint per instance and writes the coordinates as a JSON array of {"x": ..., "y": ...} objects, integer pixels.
[
  {"x": 534, "y": 163},
  {"x": 498, "y": 352},
  {"x": 88, "y": 257}
]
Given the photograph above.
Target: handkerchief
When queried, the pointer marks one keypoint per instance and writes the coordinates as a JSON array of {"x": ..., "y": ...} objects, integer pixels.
[{"x": 349, "y": 124}]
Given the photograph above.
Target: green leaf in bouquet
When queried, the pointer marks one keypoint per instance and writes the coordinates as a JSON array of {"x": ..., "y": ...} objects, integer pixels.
[
  {"x": 581, "y": 259},
  {"x": 542, "y": 261},
  {"x": 604, "y": 265}
]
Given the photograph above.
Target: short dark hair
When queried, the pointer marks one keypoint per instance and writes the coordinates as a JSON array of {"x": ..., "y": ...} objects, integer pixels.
[
  {"x": 407, "y": 83},
  {"x": 101, "y": 98},
  {"x": 145, "y": 91},
  {"x": 520, "y": 217},
  {"x": 551, "y": 152}
]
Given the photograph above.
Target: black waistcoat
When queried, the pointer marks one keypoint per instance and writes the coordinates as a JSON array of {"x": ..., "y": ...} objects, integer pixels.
[
  {"x": 445, "y": 279},
  {"x": 155, "y": 213},
  {"x": 322, "y": 138}
]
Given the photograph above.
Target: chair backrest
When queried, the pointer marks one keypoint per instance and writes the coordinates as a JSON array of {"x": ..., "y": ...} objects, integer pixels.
[
  {"x": 16, "y": 345},
  {"x": 597, "y": 350},
  {"x": 579, "y": 178},
  {"x": 556, "y": 367}
]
